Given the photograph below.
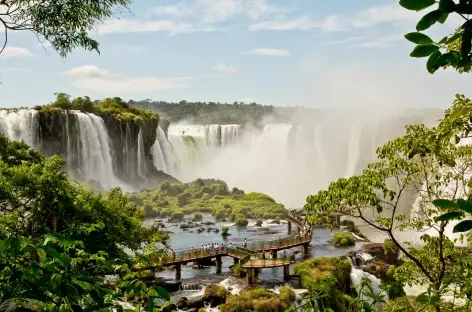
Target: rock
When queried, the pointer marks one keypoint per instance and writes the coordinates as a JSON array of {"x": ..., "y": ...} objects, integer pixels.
[
  {"x": 182, "y": 303},
  {"x": 192, "y": 310},
  {"x": 169, "y": 308}
]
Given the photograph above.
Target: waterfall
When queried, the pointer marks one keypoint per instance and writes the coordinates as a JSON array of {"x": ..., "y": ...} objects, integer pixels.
[
  {"x": 356, "y": 278},
  {"x": 21, "y": 125},
  {"x": 140, "y": 156},
  {"x": 157, "y": 151},
  {"x": 95, "y": 155}
]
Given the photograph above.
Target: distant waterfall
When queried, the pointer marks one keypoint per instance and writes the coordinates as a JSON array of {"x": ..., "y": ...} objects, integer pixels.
[
  {"x": 21, "y": 125},
  {"x": 158, "y": 151},
  {"x": 95, "y": 155},
  {"x": 140, "y": 156}
]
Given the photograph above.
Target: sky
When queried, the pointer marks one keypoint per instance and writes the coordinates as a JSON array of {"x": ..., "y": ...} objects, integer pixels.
[{"x": 312, "y": 53}]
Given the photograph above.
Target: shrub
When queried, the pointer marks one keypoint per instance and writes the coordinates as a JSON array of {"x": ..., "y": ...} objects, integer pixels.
[
  {"x": 206, "y": 190},
  {"x": 197, "y": 217},
  {"x": 224, "y": 231},
  {"x": 277, "y": 220},
  {"x": 287, "y": 295},
  {"x": 220, "y": 215},
  {"x": 215, "y": 291},
  {"x": 241, "y": 220},
  {"x": 202, "y": 310},
  {"x": 259, "y": 223},
  {"x": 182, "y": 199},
  {"x": 342, "y": 239},
  {"x": 257, "y": 299},
  {"x": 237, "y": 271},
  {"x": 177, "y": 215}
]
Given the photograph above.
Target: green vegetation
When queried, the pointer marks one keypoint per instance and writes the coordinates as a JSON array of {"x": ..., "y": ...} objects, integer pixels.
[
  {"x": 259, "y": 300},
  {"x": 65, "y": 26},
  {"x": 197, "y": 217},
  {"x": 206, "y": 196},
  {"x": 259, "y": 223},
  {"x": 342, "y": 239},
  {"x": 238, "y": 271},
  {"x": 202, "y": 310},
  {"x": 217, "y": 113},
  {"x": 225, "y": 231},
  {"x": 58, "y": 240},
  {"x": 328, "y": 279},
  {"x": 215, "y": 291},
  {"x": 115, "y": 107},
  {"x": 353, "y": 228}
]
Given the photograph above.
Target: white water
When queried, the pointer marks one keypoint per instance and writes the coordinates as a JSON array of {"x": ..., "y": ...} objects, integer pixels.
[
  {"x": 158, "y": 151},
  {"x": 20, "y": 125},
  {"x": 356, "y": 278},
  {"x": 140, "y": 156},
  {"x": 96, "y": 161},
  {"x": 286, "y": 161}
]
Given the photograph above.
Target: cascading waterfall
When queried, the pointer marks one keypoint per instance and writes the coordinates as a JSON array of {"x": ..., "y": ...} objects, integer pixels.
[
  {"x": 158, "y": 152},
  {"x": 140, "y": 156},
  {"x": 21, "y": 125},
  {"x": 95, "y": 159}
]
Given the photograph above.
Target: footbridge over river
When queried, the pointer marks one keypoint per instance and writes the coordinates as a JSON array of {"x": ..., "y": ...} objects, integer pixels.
[{"x": 249, "y": 257}]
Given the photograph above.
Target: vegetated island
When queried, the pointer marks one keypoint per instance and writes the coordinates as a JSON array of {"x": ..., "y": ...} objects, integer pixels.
[{"x": 206, "y": 196}]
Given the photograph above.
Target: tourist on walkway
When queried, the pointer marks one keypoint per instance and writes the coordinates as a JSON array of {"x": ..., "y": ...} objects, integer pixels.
[
  {"x": 245, "y": 243},
  {"x": 285, "y": 254},
  {"x": 263, "y": 254}
]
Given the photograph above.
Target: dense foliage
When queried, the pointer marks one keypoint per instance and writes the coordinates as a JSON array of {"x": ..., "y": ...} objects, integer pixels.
[
  {"x": 206, "y": 196},
  {"x": 451, "y": 51},
  {"x": 259, "y": 300},
  {"x": 58, "y": 241},
  {"x": 65, "y": 24},
  {"x": 109, "y": 106},
  {"x": 216, "y": 113},
  {"x": 342, "y": 239}
]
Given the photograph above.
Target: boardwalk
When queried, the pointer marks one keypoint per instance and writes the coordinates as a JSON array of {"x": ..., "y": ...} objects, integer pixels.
[{"x": 248, "y": 258}]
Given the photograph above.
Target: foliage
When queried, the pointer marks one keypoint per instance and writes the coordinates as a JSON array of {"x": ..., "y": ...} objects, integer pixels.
[
  {"x": 451, "y": 51},
  {"x": 241, "y": 220},
  {"x": 259, "y": 223},
  {"x": 327, "y": 279},
  {"x": 259, "y": 300},
  {"x": 58, "y": 241},
  {"x": 197, "y": 217},
  {"x": 65, "y": 24},
  {"x": 219, "y": 201},
  {"x": 215, "y": 291},
  {"x": 342, "y": 239},
  {"x": 217, "y": 113},
  {"x": 238, "y": 271},
  {"x": 107, "y": 107},
  {"x": 177, "y": 216},
  {"x": 224, "y": 231}
]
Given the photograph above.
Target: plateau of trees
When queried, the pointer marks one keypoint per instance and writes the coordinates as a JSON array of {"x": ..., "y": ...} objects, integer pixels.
[
  {"x": 59, "y": 241},
  {"x": 215, "y": 113}
]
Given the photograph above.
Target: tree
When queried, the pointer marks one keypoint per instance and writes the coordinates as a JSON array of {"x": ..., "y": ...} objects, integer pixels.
[
  {"x": 63, "y": 23},
  {"x": 451, "y": 51},
  {"x": 415, "y": 165}
]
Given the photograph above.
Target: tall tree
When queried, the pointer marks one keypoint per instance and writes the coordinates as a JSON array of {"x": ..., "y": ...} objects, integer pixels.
[{"x": 65, "y": 24}]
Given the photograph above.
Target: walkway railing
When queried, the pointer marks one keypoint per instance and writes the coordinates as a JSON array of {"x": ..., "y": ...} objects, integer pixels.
[
  {"x": 182, "y": 256},
  {"x": 269, "y": 262},
  {"x": 281, "y": 243}
]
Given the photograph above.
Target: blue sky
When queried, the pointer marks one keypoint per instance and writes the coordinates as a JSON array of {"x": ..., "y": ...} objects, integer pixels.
[{"x": 313, "y": 53}]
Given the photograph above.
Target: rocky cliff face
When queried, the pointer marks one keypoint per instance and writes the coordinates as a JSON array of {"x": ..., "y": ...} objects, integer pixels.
[{"x": 85, "y": 141}]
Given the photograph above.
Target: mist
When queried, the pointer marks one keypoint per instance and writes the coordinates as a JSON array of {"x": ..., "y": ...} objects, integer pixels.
[{"x": 292, "y": 160}]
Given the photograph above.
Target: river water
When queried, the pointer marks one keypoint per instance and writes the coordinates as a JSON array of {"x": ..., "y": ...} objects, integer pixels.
[{"x": 184, "y": 240}]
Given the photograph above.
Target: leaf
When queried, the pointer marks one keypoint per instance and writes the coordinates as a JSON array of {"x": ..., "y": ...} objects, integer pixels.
[
  {"x": 432, "y": 65},
  {"x": 443, "y": 18},
  {"x": 447, "y": 6},
  {"x": 82, "y": 284},
  {"x": 448, "y": 216},
  {"x": 423, "y": 298},
  {"x": 418, "y": 38},
  {"x": 424, "y": 50},
  {"x": 429, "y": 20},
  {"x": 445, "y": 204},
  {"x": 162, "y": 293},
  {"x": 464, "y": 205},
  {"x": 466, "y": 43},
  {"x": 463, "y": 226},
  {"x": 41, "y": 255},
  {"x": 416, "y": 5}
]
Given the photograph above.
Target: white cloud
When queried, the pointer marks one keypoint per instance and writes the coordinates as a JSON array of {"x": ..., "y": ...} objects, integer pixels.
[
  {"x": 382, "y": 14},
  {"x": 302, "y": 23},
  {"x": 136, "y": 25},
  {"x": 93, "y": 78},
  {"x": 225, "y": 69},
  {"x": 371, "y": 42},
  {"x": 16, "y": 52},
  {"x": 270, "y": 52},
  {"x": 176, "y": 10}
]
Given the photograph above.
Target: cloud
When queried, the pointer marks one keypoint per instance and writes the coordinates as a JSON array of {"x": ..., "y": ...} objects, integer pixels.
[
  {"x": 370, "y": 42},
  {"x": 16, "y": 52},
  {"x": 225, "y": 69},
  {"x": 270, "y": 52},
  {"x": 177, "y": 10},
  {"x": 93, "y": 78},
  {"x": 337, "y": 22},
  {"x": 136, "y": 25}
]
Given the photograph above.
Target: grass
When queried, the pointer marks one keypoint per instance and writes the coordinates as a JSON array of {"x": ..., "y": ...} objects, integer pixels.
[
  {"x": 342, "y": 239},
  {"x": 259, "y": 300}
]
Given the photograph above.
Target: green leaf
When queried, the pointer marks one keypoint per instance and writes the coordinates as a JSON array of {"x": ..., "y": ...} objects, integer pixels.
[
  {"x": 450, "y": 216},
  {"x": 82, "y": 284},
  {"x": 466, "y": 43},
  {"x": 445, "y": 204},
  {"x": 162, "y": 293},
  {"x": 464, "y": 205},
  {"x": 463, "y": 226},
  {"x": 429, "y": 20},
  {"x": 416, "y": 5},
  {"x": 454, "y": 37},
  {"x": 447, "y": 6},
  {"x": 432, "y": 65},
  {"x": 41, "y": 254},
  {"x": 424, "y": 50},
  {"x": 418, "y": 38},
  {"x": 443, "y": 18},
  {"x": 423, "y": 298}
]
